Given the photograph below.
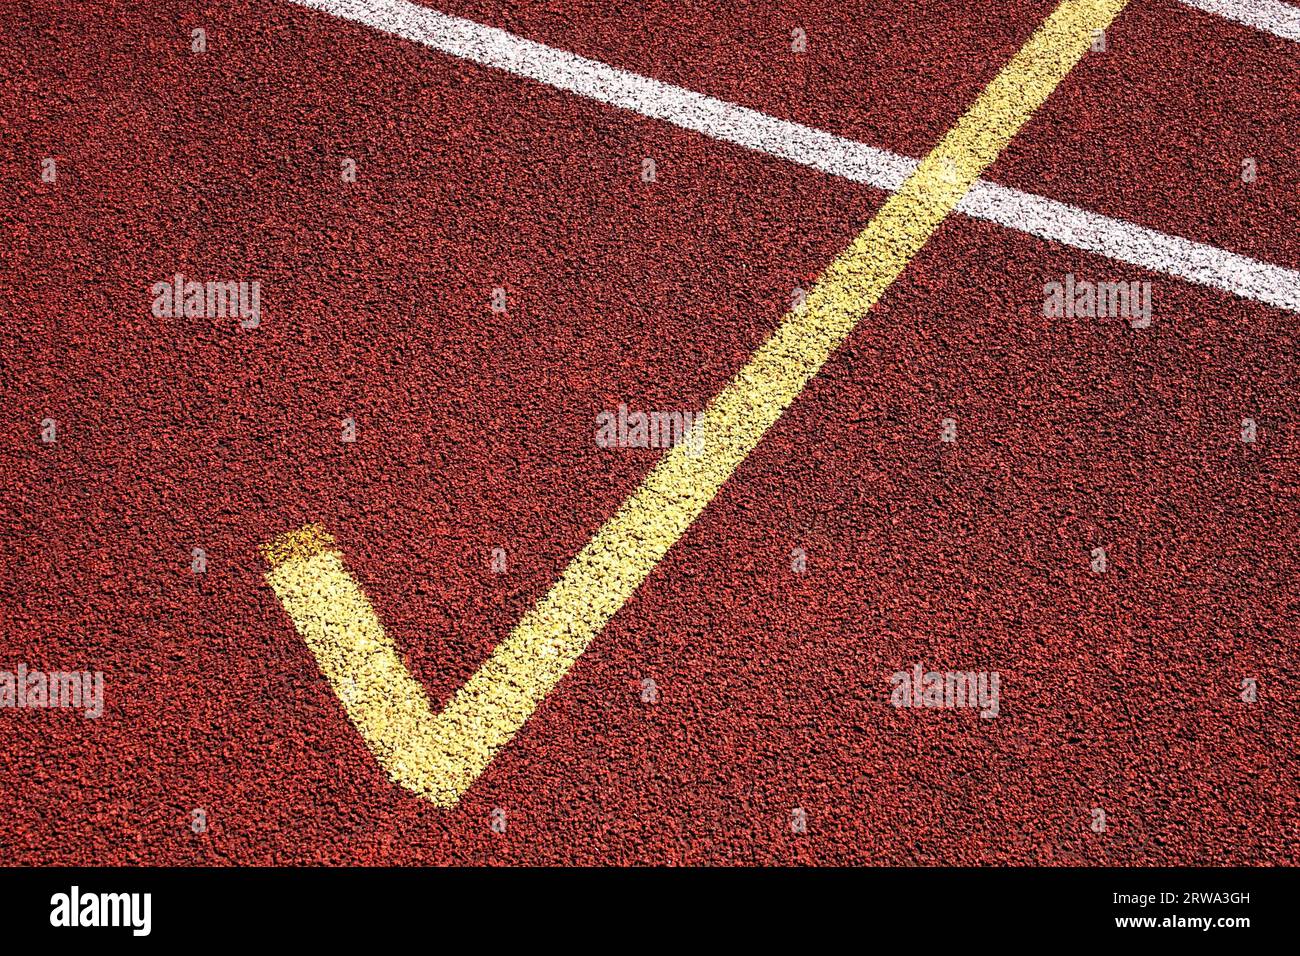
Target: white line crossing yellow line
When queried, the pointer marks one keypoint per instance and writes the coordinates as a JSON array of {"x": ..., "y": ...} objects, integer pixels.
[{"x": 817, "y": 149}]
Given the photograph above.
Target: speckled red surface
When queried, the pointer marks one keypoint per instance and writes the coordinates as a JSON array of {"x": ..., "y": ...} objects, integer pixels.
[{"x": 1120, "y": 691}]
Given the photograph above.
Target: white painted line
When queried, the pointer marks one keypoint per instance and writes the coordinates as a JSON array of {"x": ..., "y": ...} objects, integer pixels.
[
  {"x": 1036, "y": 215},
  {"x": 1270, "y": 16},
  {"x": 1138, "y": 245}
]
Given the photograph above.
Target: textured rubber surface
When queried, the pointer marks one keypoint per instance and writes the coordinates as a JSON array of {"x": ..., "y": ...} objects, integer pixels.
[{"x": 1121, "y": 691}]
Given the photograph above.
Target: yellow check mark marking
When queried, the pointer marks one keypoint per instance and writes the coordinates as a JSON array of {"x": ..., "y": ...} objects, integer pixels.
[{"x": 440, "y": 755}]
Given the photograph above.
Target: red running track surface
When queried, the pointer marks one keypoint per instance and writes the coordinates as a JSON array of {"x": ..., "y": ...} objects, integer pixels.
[{"x": 1120, "y": 691}]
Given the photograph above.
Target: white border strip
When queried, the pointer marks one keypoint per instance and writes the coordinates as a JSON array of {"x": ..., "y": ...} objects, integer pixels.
[
  {"x": 1270, "y": 16},
  {"x": 1036, "y": 215}
]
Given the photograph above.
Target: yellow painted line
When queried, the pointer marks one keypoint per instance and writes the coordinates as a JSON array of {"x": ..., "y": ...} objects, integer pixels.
[{"x": 440, "y": 755}]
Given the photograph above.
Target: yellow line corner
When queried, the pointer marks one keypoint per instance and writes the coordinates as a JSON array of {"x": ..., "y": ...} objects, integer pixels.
[{"x": 310, "y": 539}]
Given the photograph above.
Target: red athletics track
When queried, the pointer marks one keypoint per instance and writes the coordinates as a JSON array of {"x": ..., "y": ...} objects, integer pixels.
[{"x": 1120, "y": 691}]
